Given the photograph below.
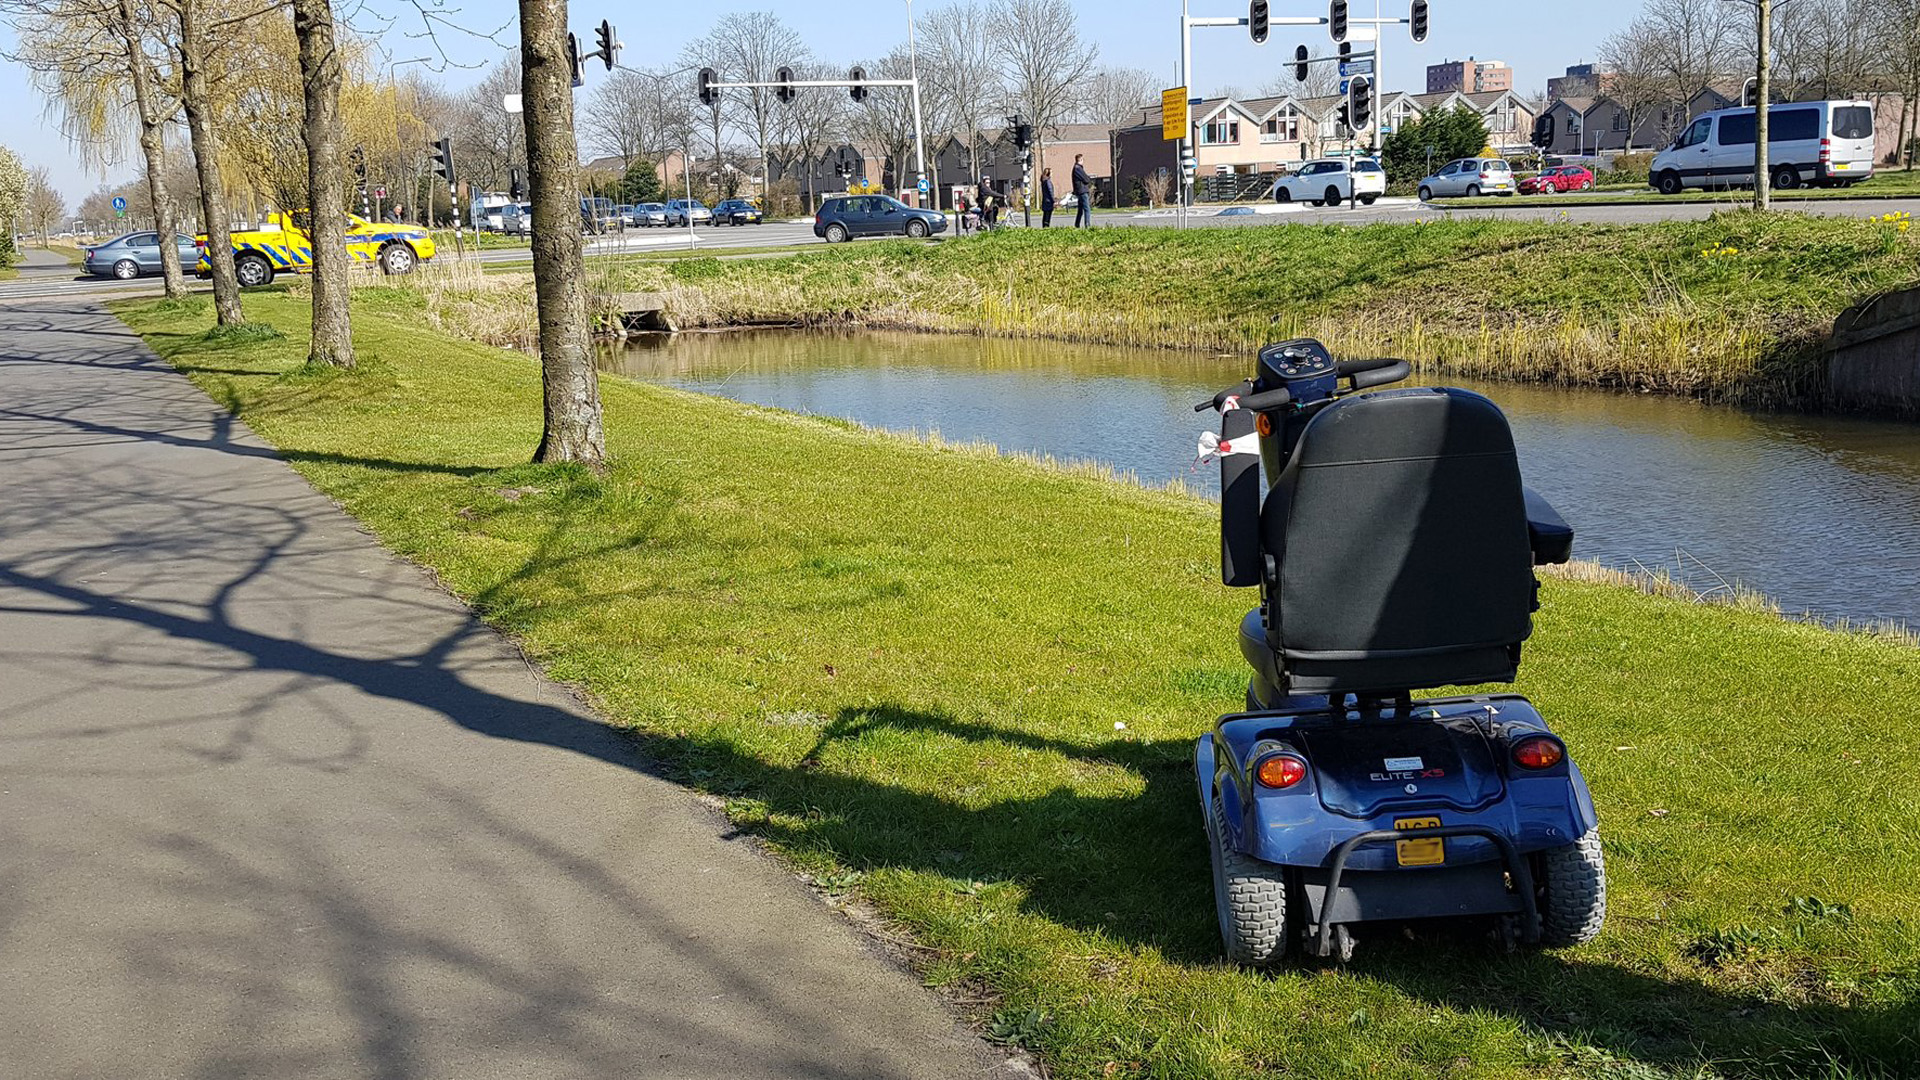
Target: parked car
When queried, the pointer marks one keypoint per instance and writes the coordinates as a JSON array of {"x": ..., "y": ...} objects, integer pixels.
[
  {"x": 1829, "y": 143},
  {"x": 644, "y": 215},
  {"x": 1557, "y": 179},
  {"x": 1332, "y": 181},
  {"x": 844, "y": 217},
  {"x": 737, "y": 212},
  {"x": 516, "y": 219},
  {"x": 1471, "y": 177},
  {"x": 679, "y": 211},
  {"x": 127, "y": 257}
]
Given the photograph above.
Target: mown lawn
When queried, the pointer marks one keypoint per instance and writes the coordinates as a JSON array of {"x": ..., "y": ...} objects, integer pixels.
[
  {"x": 1733, "y": 308},
  {"x": 966, "y": 688}
]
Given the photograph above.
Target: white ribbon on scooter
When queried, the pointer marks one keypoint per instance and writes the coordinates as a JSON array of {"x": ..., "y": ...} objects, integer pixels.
[{"x": 1213, "y": 447}]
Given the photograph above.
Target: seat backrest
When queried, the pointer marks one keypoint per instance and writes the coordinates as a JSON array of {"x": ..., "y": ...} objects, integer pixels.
[{"x": 1399, "y": 534}]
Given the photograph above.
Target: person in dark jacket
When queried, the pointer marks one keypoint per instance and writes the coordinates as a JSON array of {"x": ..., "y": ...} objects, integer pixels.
[
  {"x": 1046, "y": 198},
  {"x": 989, "y": 203},
  {"x": 1082, "y": 194}
]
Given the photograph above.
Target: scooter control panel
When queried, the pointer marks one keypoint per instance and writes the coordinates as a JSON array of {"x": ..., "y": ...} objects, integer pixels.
[{"x": 1303, "y": 358}]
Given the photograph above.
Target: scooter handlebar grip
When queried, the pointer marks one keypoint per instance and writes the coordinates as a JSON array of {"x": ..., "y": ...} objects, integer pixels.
[
  {"x": 1270, "y": 399},
  {"x": 1392, "y": 371}
]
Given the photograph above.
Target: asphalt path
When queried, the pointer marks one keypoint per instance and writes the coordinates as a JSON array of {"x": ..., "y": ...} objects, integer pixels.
[
  {"x": 275, "y": 805},
  {"x": 59, "y": 281}
]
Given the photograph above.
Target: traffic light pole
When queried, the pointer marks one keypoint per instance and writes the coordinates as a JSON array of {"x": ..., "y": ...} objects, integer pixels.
[
  {"x": 1187, "y": 23},
  {"x": 919, "y": 141}
]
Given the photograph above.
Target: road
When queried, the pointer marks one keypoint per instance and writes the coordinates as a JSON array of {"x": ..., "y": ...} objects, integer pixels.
[
  {"x": 273, "y": 804},
  {"x": 58, "y": 281}
]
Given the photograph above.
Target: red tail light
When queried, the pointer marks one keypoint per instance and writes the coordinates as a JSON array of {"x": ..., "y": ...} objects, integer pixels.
[
  {"x": 1281, "y": 771},
  {"x": 1486, "y": 176},
  {"x": 1826, "y": 150},
  {"x": 1538, "y": 752}
]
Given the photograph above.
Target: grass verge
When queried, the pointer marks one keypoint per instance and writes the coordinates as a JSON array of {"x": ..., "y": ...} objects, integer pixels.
[
  {"x": 966, "y": 687},
  {"x": 1732, "y": 309}
]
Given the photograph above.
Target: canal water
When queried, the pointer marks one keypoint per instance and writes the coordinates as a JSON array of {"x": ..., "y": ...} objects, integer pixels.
[{"x": 1820, "y": 513}]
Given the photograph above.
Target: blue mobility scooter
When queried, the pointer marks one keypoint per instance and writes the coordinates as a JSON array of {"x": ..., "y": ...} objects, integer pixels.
[{"x": 1394, "y": 552}]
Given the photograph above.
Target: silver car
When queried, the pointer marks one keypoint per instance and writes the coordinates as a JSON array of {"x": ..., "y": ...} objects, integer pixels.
[
  {"x": 1471, "y": 177},
  {"x": 516, "y": 219}
]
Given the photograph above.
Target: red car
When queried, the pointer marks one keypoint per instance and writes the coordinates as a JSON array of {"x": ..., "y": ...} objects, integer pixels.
[{"x": 1558, "y": 178}]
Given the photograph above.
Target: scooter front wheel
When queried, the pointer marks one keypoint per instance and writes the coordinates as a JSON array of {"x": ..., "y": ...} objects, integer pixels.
[{"x": 1250, "y": 898}]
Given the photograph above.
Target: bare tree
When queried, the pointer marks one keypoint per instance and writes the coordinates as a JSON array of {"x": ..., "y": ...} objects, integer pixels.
[
  {"x": 885, "y": 119},
  {"x": 1116, "y": 97},
  {"x": 44, "y": 206},
  {"x": 621, "y": 116},
  {"x": 571, "y": 429},
  {"x": 960, "y": 70},
  {"x": 313, "y": 25},
  {"x": 750, "y": 47},
  {"x": 1044, "y": 60},
  {"x": 813, "y": 120},
  {"x": 197, "y": 24},
  {"x": 1636, "y": 81}
]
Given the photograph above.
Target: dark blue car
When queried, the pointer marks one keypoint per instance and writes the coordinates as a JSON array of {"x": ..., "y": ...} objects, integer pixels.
[
  {"x": 844, "y": 217},
  {"x": 127, "y": 257}
]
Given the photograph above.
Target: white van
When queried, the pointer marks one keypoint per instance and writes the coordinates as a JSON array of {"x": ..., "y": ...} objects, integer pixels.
[
  {"x": 1829, "y": 143},
  {"x": 484, "y": 212}
]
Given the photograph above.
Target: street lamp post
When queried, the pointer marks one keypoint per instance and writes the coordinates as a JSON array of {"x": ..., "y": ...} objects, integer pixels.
[{"x": 919, "y": 143}]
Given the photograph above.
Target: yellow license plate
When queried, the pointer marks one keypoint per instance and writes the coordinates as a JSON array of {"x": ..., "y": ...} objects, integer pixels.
[
  {"x": 1430, "y": 852},
  {"x": 1839, "y": 166}
]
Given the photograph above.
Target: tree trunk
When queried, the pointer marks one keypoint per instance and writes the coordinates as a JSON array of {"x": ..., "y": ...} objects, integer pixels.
[
  {"x": 194, "y": 96},
  {"x": 1762, "y": 95},
  {"x": 320, "y": 84},
  {"x": 153, "y": 148},
  {"x": 571, "y": 429}
]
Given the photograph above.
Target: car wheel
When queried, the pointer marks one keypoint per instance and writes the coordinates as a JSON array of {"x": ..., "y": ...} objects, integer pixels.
[
  {"x": 1586, "y": 185},
  {"x": 1249, "y": 898},
  {"x": 1668, "y": 183},
  {"x": 1426, "y": 194},
  {"x": 396, "y": 259},
  {"x": 1786, "y": 178},
  {"x": 1473, "y": 191},
  {"x": 1570, "y": 884},
  {"x": 1333, "y": 197},
  {"x": 251, "y": 270},
  {"x": 836, "y": 233},
  {"x": 917, "y": 229},
  {"x": 126, "y": 269},
  {"x": 1283, "y": 195},
  {"x": 1367, "y": 200}
]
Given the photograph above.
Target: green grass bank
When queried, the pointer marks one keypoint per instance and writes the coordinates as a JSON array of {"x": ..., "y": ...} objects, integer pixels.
[
  {"x": 1732, "y": 309},
  {"x": 965, "y": 688}
]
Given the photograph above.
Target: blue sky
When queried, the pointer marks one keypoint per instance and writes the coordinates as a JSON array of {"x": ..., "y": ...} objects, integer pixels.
[{"x": 1538, "y": 40}]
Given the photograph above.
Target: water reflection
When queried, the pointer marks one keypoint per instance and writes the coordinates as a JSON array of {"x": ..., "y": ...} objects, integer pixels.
[{"x": 1821, "y": 513}]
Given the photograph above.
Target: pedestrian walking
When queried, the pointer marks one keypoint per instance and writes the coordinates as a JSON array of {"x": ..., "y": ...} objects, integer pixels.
[
  {"x": 1082, "y": 195},
  {"x": 1046, "y": 198},
  {"x": 989, "y": 203}
]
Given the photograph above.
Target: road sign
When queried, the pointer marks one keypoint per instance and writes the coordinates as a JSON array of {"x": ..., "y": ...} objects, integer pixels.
[
  {"x": 1343, "y": 85},
  {"x": 923, "y": 185},
  {"x": 379, "y": 193},
  {"x": 120, "y": 203},
  {"x": 1355, "y": 67},
  {"x": 1173, "y": 113}
]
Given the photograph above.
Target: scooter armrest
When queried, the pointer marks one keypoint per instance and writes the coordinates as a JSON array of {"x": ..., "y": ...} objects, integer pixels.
[{"x": 1548, "y": 533}]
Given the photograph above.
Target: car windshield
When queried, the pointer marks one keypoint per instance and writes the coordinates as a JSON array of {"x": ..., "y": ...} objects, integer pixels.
[
  {"x": 1497, "y": 166},
  {"x": 1366, "y": 165}
]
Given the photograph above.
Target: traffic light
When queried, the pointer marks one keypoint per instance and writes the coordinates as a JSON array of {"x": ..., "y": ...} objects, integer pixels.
[
  {"x": 1419, "y": 20},
  {"x": 1257, "y": 21},
  {"x": 359, "y": 159},
  {"x": 609, "y": 48},
  {"x": 1346, "y": 52},
  {"x": 1337, "y": 20},
  {"x": 858, "y": 78},
  {"x": 516, "y": 184},
  {"x": 443, "y": 159},
  {"x": 1022, "y": 134},
  {"x": 1750, "y": 93},
  {"x": 1359, "y": 103},
  {"x": 1543, "y": 131},
  {"x": 708, "y": 95},
  {"x": 573, "y": 62},
  {"x": 1300, "y": 55},
  {"x": 784, "y": 77}
]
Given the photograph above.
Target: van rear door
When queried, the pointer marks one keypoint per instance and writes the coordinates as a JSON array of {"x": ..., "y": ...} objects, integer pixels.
[{"x": 1849, "y": 148}]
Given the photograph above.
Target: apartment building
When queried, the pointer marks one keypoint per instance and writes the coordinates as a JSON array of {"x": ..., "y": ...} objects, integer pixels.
[{"x": 1469, "y": 76}]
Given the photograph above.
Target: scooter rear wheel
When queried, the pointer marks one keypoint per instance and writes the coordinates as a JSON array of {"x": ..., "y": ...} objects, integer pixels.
[
  {"x": 1572, "y": 881},
  {"x": 1250, "y": 898}
]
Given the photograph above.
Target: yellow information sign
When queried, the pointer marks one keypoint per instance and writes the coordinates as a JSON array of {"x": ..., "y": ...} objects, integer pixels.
[{"x": 1173, "y": 113}]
